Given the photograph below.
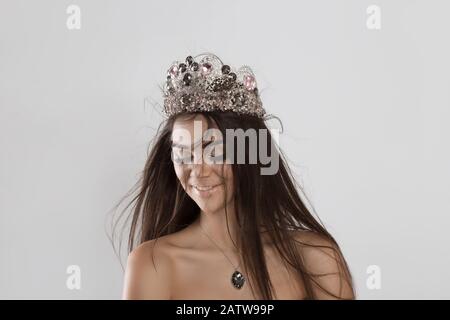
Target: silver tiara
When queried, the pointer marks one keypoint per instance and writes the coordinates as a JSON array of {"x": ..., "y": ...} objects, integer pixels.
[{"x": 204, "y": 83}]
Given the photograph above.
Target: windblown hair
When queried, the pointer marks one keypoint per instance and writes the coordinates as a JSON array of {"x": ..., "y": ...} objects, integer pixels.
[{"x": 161, "y": 207}]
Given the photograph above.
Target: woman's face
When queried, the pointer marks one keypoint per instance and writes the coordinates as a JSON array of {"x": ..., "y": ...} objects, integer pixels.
[{"x": 198, "y": 160}]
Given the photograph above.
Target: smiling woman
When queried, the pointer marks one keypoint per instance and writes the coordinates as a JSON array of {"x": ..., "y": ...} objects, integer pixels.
[{"x": 204, "y": 228}]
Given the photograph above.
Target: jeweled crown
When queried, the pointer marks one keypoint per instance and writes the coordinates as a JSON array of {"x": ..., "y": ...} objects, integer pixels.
[{"x": 204, "y": 83}]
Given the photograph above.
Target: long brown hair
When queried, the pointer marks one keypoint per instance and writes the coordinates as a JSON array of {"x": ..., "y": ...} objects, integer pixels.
[{"x": 162, "y": 207}]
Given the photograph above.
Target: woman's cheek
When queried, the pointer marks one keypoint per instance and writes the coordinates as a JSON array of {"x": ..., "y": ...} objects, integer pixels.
[{"x": 180, "y": 173}]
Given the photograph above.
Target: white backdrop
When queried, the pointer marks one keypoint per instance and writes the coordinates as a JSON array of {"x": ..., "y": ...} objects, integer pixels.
[{"x": 365, "y": 112}]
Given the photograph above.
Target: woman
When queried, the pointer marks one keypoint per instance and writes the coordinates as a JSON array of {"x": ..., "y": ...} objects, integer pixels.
[{"x": 208, "y": 222}]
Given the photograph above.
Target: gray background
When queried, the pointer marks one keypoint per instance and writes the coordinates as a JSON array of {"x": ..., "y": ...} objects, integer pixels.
[{"x": 365, "y": 114}]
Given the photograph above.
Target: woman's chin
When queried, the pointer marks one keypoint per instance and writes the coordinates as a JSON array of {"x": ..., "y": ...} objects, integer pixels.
[{"x": 208, "y": 205}]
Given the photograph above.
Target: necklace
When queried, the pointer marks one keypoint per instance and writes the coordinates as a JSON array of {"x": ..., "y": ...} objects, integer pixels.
[{"x": 237, "y": 278}]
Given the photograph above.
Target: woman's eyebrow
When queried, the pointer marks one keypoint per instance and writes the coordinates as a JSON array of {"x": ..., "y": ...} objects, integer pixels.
[{"x": 178, "y": 145}]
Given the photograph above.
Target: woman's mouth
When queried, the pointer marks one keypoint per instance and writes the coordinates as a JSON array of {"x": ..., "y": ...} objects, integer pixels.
[{"x": 205, "y": 191}]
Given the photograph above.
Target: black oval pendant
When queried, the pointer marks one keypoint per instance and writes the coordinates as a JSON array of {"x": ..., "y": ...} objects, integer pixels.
[{"x": 237, "y": 279}]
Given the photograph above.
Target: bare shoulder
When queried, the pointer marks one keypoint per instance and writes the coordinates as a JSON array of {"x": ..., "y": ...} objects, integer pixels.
[
  {"x": 325, "y": 262},
  {"x": 147, "y": 274},
  {"x": 320, "y": 253},
  {"x": 310, "y": 238}
]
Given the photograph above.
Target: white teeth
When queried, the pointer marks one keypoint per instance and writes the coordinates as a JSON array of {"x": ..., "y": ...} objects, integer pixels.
[{"x": 203, "y": 188}]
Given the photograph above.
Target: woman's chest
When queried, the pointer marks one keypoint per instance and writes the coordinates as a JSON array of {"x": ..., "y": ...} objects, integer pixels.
[{"x": 210, "y": 277}]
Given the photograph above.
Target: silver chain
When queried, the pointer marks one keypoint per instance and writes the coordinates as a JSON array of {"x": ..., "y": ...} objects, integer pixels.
[{"x": 203, "y": 231}]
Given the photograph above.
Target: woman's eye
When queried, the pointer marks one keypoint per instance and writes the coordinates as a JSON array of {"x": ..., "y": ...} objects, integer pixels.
[
  {"x": 185, "y": 156},
  {"x": 216, "y": 154},
  {"x": 181, "y": 155}
]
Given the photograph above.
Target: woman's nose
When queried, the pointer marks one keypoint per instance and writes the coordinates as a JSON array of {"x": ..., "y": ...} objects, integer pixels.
[
  {"x": 197, "y": 169},
  {"x": 198, "y": 165}
]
